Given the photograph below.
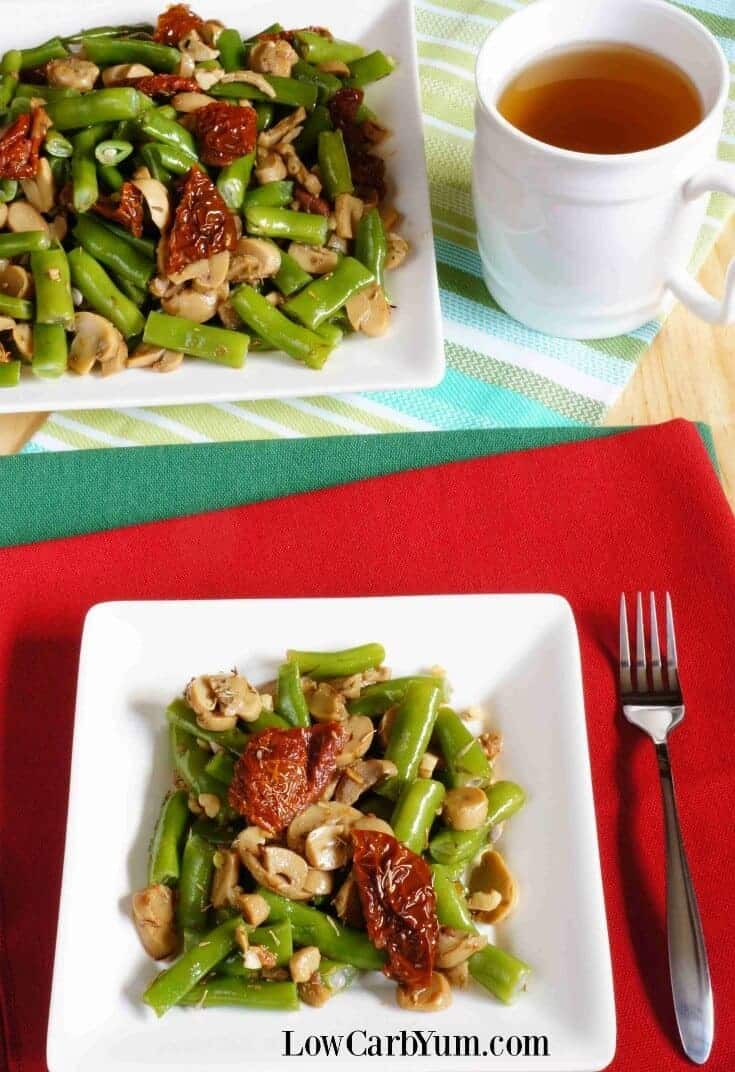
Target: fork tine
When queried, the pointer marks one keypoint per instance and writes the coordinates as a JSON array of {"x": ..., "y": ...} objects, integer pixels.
[
  {"x": 641, "y": 680},
  {"x": 626, "y": 683},
  {"x": 656, "y": 675},
  {"x": 672, "y": 663}
]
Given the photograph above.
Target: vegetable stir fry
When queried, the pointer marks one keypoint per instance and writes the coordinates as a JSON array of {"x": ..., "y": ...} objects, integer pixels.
[
  {"x": 333, "y": 821},
  {"x": 181, "y": 190}
]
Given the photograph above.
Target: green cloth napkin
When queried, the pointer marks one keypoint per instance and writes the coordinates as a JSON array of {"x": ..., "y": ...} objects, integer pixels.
[{"x": 53, "y": 495}]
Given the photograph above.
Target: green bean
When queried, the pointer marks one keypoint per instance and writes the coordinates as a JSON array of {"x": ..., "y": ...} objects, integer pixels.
[
  {"x": 137, "y": 295},
  {"x": 325, "y": 664},
  {"x": 330, "y": 332},
  {"x": 268, "y": 720},
  {"x": 161, "y": 128},
  {"x": 109, "y": 31},
  {"x": 277, "y": 938},
  {"x": 179, "y": 714},
  {"x": 334, "y": 164},
  {"x": 287, "y": 91},
  {"x": 276, "y": 329},
  {"x": 451, "y": 907},
  {"x": 322, "y": 298},
  {"x": 310, "y": 230},
  {"x": 14, "y": 244},
  {"x": 166, "y": 158},
  {"x": 99, "y": 291},
  {"x": 415, "y": 811},
  {"x": 42, "y": 54},
  {"x": 50, "y": 352},
  {"x": 111, "y": 176},
  {"x": 376, "y": 699},
  {"x": 214, "y": 832},
  {"x": 18, "y": 308},
  {"x": 316, "y": 122},
  {"x": 232, "y": 54},
  {"x": 60, "y": 170},
  {"x": 52, "y": 285},
  {"x": 99, "y": 106},
  {"x": 290, "y": 277},
  {"x": 164, "y": 858},
  {"x": 57, "y": 145},
  {"x": 372, "y": 804},
  {"x": 272, "y": 194},
  {"x": 371, "y": 245},
  {"x": 370, "y": 68},
  {"x": 363, "y": 113},
  {"x": 318, "y": 49},
  {"x": 9, "y": 373},
  {"x": 410, "y": 734},
  {"x": 110, "y": 51},
  {"x": 8, "y": 191},
  {"x": 152, "y": 160},
  {"x": 167, "y": 111},
  {"x": 113, "y": 151},
  {"x": 232, "y": 181},
  {"x": 465, "y": 763},
  {"x": 251, "y": 994},
  {"x": 220, "y": 345},
  {"x": 172, "y": 985},
  {"x": 499, "y": 972},
  {"x": 29, "y": 90},
  {"x": 222, "y": 767},
  {"x": 336, "y": 976},
  {"x": 274, "y": 28},
  {"x": 326, "y": 84},
  {"x": 455, "y": 847},
  {"x": 9, "y": 73},
  {"x": 312, "y": 927},
  {"x": 125, "y": 261},
  {"x": 195, "y": 882},
  {"x": 291, "y": 699},
  {"x": 190, "y": 762},
  {"x": 84, "y": 169},
  {"x": 146, "y": 246},
  {"x": 503, "y": 799}
]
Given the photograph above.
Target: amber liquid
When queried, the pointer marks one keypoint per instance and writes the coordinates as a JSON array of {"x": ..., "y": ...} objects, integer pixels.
[{"x": 605, "y": 98}]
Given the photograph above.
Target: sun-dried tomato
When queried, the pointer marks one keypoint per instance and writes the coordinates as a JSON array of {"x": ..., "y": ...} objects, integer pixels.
[
  {"x": 310, "y": 202},
  {"x": 225, "y": 132},
  {"x": 21, "y": 144},
  {"x": 281, "y": 771},
  {"x": 163, "y": 85},
  {"x": 176, "y": 23},
  {"x": 368, "y": 170},
  {"x": 343, "y": 106},
  {"x": 125, "y": 209},
  {"x": 399, "y": 905},
  {"x": 202, "y": 224}
]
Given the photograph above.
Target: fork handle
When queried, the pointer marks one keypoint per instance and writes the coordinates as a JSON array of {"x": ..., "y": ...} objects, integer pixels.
[{"x": 690, "y": 981}]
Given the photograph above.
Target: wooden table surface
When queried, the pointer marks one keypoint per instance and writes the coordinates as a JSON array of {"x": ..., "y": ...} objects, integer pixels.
[{"x": 688, "y": 372}]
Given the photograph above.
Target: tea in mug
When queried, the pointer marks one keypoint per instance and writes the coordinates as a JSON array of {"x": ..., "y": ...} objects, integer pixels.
[{"x": 602, "y": 98}]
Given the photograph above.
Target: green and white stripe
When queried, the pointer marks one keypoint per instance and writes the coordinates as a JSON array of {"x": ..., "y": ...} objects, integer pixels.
[{"x": 499, "y": 373}]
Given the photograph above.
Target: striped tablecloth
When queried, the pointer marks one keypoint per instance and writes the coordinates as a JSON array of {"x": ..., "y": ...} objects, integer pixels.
[{"x": 500, "y": 374}]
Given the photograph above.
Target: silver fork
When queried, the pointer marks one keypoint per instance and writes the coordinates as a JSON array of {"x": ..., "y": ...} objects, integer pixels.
[{"x": 655, "y": 704}]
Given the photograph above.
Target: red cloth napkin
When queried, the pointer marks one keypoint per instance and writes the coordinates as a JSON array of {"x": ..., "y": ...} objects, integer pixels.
[{"x": 641, "y": 510}]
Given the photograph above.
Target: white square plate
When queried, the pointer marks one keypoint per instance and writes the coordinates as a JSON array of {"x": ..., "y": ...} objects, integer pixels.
[
  {"x": 411, "y": 354},
  {"x": 516, "y": 655}
]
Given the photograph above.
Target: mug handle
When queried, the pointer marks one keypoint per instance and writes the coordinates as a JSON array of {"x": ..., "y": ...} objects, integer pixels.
[{"x": 719, "y": 177}]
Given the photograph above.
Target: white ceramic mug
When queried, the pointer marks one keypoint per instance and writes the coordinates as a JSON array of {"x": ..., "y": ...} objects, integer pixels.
[{"x": 587, "y": 245}]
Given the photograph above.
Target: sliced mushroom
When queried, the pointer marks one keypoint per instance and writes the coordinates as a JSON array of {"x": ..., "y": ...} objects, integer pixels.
[
  {"x": 229, "y": 316},
  {"x": 271, "y": 168},
  {"x": 373, "y": 822},
  {"x": 95, "y": 339},
  {"x": 218, "y": 700},
  {"x": 352, "y": 686},
  {"x": 206, "y": 79},
  {"x": 191, "y": 304},
  {"x": 374, "y": 132},
  {"x": 156, "y": 358},
  {"x": 117, "y": 362},
  {"x": 319, "y": 883},
  {"x": 210, "y": 273},
  {"x": 455, "y": 946},
  {"x": 254, "y": 259},
  {"x": 279, "y": 870},
  {"x": 16, "y": 281},
  {"x": 298, "y": 170},
  {"x": 397, "y": 250},
  {"x": 314, "y": 993},
  {"x": 187, "y": 66},
  {"x": 458, "y": 977},
  {"x": 252, "y": 78},
  {"x": 385, "y": 726},
  {"x": 283, "y": 130},
  {"x": 347, "y": 903},
  {"x": 153, "y": 914},
  {"x": 59, "y": 226},
  {"x": 491, "y": 876},
  {"x": 273, "y": 57},
  {"x": 254, "y": 908},
  {"x": 211, "y": 30},
  {"x": 465, "y": 808},
  {"x": 491, "y": 744},
  {"x": 156, "y": 198},
  {"x": 210, "y": 804},
  {"x": 432, "y": 998},
  {"x": 22, "y": 216},
  {"x": 361, "y": 776},
  {"x": 41, "y": 190},
  {"x": 318, "y": 815},
  {"x": 304, "y": 963},
  {"x": 22, "y": 336},
  {"x": 325, "y": 703},
  {"x": 361, "y": 732},
  {"x": 192, "y": 45},
  {"x": 251, "y": 839},
  {"x": 348, "y": 211},
  {"x": 258, "y": 958},
  {"x": 328, "y": 847},
  {"x": 316, "y": 260},
  {"x": 3, "y": 216},
  {"x": 121, "y": 73},
  {"x": 224, "y": 880},
  {"x": 190, "y": 102},
  {"x": 428, "y": 764},
  {"x": 72, "y": 72},
  {"x": 7, "y": 323},
  {"x": 368, "y": 311},
  {"x": 338, "y": 67},
  {"x": 390, "y": 216}
]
